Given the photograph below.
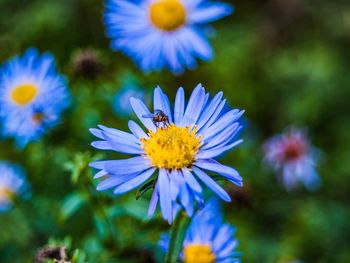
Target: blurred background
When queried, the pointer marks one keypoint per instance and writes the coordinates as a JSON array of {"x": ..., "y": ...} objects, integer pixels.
[{"x": 286, "y": 62}]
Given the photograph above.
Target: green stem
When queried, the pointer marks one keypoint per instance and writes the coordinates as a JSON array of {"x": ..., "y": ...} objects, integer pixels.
[{"x": 177, "y": 236}]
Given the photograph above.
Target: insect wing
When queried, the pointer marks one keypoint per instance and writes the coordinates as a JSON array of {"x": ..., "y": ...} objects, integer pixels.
[
  {"x": 160, "y": 112},
  {"x": 148, "y": 115}
]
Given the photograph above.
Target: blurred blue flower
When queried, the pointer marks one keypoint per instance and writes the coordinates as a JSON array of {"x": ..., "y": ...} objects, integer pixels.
[
  {"x": 291, "y": 154},
  {"x": 159, "y": 34},
  {"x": 32, "y": 96},
  {"x": 12, "y": 184},
  {"x": 180, "y": 148},
  {"x": 207, "y": 239},
  {"x": 121, "y": 101}
]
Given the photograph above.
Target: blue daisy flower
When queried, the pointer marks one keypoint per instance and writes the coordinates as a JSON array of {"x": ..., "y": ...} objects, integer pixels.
[
  {"x": 32, "y": 96},
  {"x": 207, "y": 239},
  {"x": 291, "y": 154},
  {"x": 179, "y": 146},
  {"x": 159, "y": 34},
  {"x": 12, "y": 184}
]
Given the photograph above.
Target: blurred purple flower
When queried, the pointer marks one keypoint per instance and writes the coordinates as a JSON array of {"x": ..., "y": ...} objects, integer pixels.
[{"x": 292, "y": 154}]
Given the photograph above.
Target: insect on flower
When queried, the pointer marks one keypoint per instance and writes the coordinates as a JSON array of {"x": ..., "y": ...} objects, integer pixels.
[
  {"x": 179, "y": 152},
  {"x": 158, "y": 117}
]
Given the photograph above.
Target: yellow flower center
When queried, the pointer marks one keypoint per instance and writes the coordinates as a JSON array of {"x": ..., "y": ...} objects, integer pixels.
[
  {"x": 172, "y": 147},
  {"x": 23, "y": 94},
  {"x": 198, "y": 253},
  {"x": 6, "y": 193},
  {"x": 168, "y": 15}
]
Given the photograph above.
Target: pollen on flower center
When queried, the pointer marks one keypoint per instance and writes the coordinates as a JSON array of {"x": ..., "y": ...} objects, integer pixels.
[
  {"x": 172, "y": 147},
  {"x": 23, "y": 94},
  {"x": 167, "y": 15},
  {"x": 198, "y": 253}
]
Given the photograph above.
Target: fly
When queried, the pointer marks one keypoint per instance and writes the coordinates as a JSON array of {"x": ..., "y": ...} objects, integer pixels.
[{"x": 158, "y": 117}]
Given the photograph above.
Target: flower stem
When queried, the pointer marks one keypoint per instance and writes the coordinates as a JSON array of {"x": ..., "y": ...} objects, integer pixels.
[{"x": 177, "y": 236}]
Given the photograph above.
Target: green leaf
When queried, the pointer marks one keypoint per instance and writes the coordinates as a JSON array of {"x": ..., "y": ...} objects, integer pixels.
[
  {"x": 71, "y": 205},
  {"x": 136, "y": 209},
  {"x": 79, "y": 256},
  {"x": 145, "y": 188},
  {"x": 177, "y": 236}
]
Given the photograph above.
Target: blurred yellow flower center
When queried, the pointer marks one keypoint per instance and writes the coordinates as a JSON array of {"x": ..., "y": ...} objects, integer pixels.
[
  {"x": 6, "y": 193},
  {"x": 168, "y": 15},
  {"x": 197, "y": 253},
  {"x": 172, "y": 147},
  {"x": 23, "y": 94}
]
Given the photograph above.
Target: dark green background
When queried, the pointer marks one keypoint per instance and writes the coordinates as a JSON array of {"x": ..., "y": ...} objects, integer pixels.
[{"x": 286, "y": 62}]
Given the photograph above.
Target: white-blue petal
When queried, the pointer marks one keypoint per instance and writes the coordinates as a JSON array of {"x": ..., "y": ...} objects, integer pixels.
[
  {"x": 102, "y": 145},
  {"x": 154, "y": 200},
  {"x": 191, "y": 181},
  {"x": 213, "y": 117},
  {"x": 119, "y": 135},
  {"x": 230, "y": 246},
  {"x": 194, "y": 106},
  {"x": 161, "y": 102},
  {"x": 122, "y": 146},
  {"x": 127, "y": 166},
  {"x": 140, "y": 110},
  {"x": 210, "y": 153},
  {"x": 199, "y": 44},
  {"x": 100, "y": 174},
  {"x": 136, "y": 130},
  {"x": 134, "y": 182},
  {"x": 114, "y": 180},
  {"x": 209, "y": 110},
  {"x": 224, "y": 142},
  {"x": 96, "y": 132},
  {"x": 99, "y": 164},
  {"x": 223, "y": 236},
  {"x": 226, "y": 171},
  {"x": 175, "y": 184},
  {"x": 210, "y": 13},
  {"x": 211, "y": 184},
  {"x": 226, "y": 120},
  {"x": 186, "y": 199},
  {"x": 222, "y": 136},
  {"x": 179, "y": 107},
  {"x": 164, "y": 195}
]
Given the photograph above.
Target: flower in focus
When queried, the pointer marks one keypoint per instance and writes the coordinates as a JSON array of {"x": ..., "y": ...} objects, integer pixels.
[
  {"x": 121, "y": 101},
  {"x": 291, "y": 154},
  {"x": 180, "y": 149},
  {"x": 207, "y": 239},
  {"x": 32, "y": 96},
  {"x": 12, "y": 184},
  {"x": 159, "y": 34}
]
